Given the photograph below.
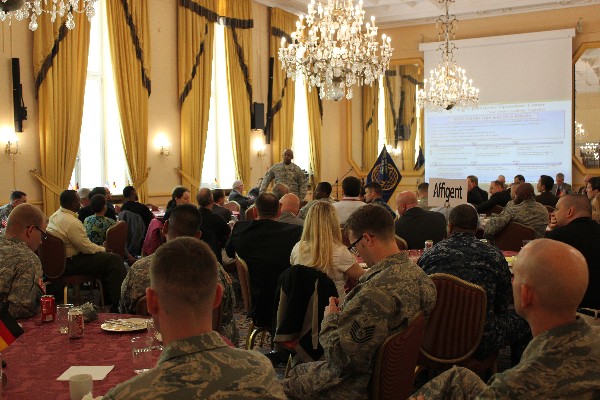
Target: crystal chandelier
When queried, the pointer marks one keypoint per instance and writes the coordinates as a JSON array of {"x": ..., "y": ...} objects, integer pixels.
[
  {"x": 580, "y": 133},
  {"x": 447, "y": 85},
  {"x": 331, "y": 50},
  {"x": 20, "y": 9}
]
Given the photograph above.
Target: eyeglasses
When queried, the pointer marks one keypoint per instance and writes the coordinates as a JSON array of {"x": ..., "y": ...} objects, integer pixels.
[
  {"x": 44, "y": 234},
  {"x": 352, "y": 247}
]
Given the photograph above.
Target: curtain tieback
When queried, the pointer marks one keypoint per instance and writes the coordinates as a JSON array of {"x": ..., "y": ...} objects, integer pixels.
[{"x": 49, "y": 185}]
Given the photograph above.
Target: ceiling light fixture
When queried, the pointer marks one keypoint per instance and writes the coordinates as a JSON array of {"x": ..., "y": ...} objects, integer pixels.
[
  {"x": 332, "y": 52},
  {"x": 20, "y": 10},
  {"x": 447, "y": 85}
]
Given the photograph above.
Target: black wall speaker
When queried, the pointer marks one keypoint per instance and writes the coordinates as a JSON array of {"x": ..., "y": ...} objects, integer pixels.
[
  {"x": 258, "y": 116},
  {"x": 19, "y": 109}
]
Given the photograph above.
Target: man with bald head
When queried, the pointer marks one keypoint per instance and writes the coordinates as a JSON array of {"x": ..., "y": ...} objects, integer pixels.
[
  {"x": 290, "y": 206},
  {"x": 21, "y": 286},
  {"x": 524, "y": 210},
  {"x": 572, "y": 223},
  {"x": 417, "y": 225},
  {"x": 288, "y": 173},
  {"x": 562, "y": 359}
]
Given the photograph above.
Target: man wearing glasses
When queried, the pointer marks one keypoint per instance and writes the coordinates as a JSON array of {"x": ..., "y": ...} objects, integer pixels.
[
  {"x": 386, "y": 299},
  {"x": 21, "y": 284}
]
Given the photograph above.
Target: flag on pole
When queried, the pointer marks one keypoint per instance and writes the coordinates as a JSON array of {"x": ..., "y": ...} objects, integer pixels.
[
  {"x": 9, "y": 329},
  {"x": 385, "y": 173}
]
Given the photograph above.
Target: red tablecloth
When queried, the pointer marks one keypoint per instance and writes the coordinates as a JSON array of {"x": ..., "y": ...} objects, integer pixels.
[{"x": 42, "y": 354}]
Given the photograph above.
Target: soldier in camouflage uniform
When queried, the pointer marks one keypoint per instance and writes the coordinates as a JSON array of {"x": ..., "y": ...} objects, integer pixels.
[
  {"x": 21, "y": 284},
  {"x": 138, "y": 278},
  {"x": 196, "y": 363},
  {"x": 467, "y": 258},
  {"x": 561, "y": 361},
  {"x": 289, "y": 174},
  {"x": 387, "y": 298},
  {"x": 525, "y": 210}
]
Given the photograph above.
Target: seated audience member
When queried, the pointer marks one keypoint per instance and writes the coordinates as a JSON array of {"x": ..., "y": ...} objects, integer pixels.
[
  {"x": 180, "y": 195},
  {"x": 499, "y": 197},
  {"x": 416, "y": 225},
  {"x": 83, "y": 256},
  {"x": 583, "y": 189},
  {"x": 86, "y": 211},
  {"x": 265, "y": 245},
  {"x": 593, "y": 187},
  {"x": 196, "y": 363},
  {"x": 280, "y": 190},
  {"x": 96, "y": 225},
  {"x": 290, "y": 206},
  {"x": 350, "y": 201},
  {"x": 544, "y": 186},
  {"x": 502, "y": 179},
  {"x": 84, "y": 196},
  {"x": 475, "y": 195},
  {"x": 519, "y": 179},
  {"x": 423, "y": 195},
  {"x": 215, "y": 230},
  {"x": 131, "y": 203},
  {"x": 389, "y": 295},
  {"x": 524, "y": 210},
  {"x": 561, "y": 362},
  {"x": 16, "y": 197},
  {"x": 466, "y": 257},
  {"x": 560, "y": 188},
  {"x": 21, "y": 286},
  {"x": 237, "y": 195},
  {"x": 321, "y": 247},
  {"x": 374, "y": 194},
  {"x": 218, "y": 201},
  {"x": 572, "y": 224},
  {"x": 322, "y": 193}
]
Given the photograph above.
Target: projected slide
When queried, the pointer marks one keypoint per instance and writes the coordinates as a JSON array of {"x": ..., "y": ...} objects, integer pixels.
[{"x": 509, "y": 139}]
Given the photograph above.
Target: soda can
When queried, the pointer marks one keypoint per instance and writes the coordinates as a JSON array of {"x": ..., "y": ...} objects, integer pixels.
[
  {"x": 428, "y": 244},
  {"x": 48, "y": 305},
  {"x": 75, "y": 323}
]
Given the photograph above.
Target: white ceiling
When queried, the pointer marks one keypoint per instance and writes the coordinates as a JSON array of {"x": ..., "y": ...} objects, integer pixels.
[{"x": 390, "y": 13}]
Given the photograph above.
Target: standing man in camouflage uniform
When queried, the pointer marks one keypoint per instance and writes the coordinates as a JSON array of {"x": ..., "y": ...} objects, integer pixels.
[
  {"x": 467, "y": 258},
  {"x": 386, "y": 299},
  {"x": 184, "y": 222},
  {"x": 21, "y": 286},
  {"x": 196, "y": 363},
  {"x": 561, "y": 361},
  {"x": 288, "y": 173}
]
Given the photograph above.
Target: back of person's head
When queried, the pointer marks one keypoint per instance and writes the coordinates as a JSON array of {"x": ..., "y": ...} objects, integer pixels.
[
  {"x": 374, "y": 220},
  {"x": 464, "y": 218},
  {"x": 16, "y": 194},
  {"x": 290, "y": 202},
  {"x": 322, "y": 233},
  {"x": 204, "y": 197},
  {"x": 499, "y": 185},
  {"x": 128, "y": 191},
  {"x": 473, "y": 179},
  {"x": 595, "y": 182},
  {"x": 218, "y": 194},
  {"x": 280, "y": 190},
  {"x": 547, "y": 182},
  {"x": 84, "y": 193},
  {"x": 423, "y": 187},
  {"x": 97, "y": 190},
  {"x": 408, "y": 198},
  {"x": 68, "y": 198},
  {"x": 24, "y": 215},
  {"x": 183, "y": 272},
  {"x": 578, "y": 202},
  {"x": 524, "y": 192},
  {"x": 324, "y": 189},
  {"x": 97, "y": 203},
  {"x": 375, "y": 187},
  {"x": 351, "y": 186},
  {"x": 519, "y": 179},
  {"x": 267, "y": 206},
  {"x": 185, "y": 220}
]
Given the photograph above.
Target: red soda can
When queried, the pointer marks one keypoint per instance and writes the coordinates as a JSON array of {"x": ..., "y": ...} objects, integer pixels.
[
  {"x": 75, "y": 323},
  {"x": 48, "y": 308}
]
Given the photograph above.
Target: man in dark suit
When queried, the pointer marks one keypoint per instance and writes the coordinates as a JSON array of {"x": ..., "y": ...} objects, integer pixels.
[
  {"x": 417, "y": 225},
  {"x": 572, "y": 224},
  {"x": 544, "y": 186},
  {"x": 499, "y": 197},
  {"x": 218, "y": 201},
  {"x": 237, "y": 196},
  {"x": 561, "y": 188},
  {"x": 475, "y": 195},
  {"x": 265, "y": 244},
  {"x": 215, "y": 230},
  {"x": 131, "y": 203}
]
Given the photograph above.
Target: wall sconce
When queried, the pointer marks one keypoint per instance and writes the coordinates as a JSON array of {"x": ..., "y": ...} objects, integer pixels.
[
  {"x": 8, "y": 136},
  {"x": 165, "y": 150},
  {"x": 12, "y": 148},
  {"x": 162, "y": 143},
  {"x": 259, "y": 147}
]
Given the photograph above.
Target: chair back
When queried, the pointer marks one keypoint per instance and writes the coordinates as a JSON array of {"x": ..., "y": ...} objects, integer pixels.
[
  {"x": 232, "y": 206},
  {"x": 401, "y": 243},
  {"x": 116, "y": 238},
  {"x": 249, "y": 213},
  {"x": 395, "y": 362},
  {"x": 52, "y": 254},
  {"x": 244, "y": 277},
  {"x": 512, "y": 235},
  {"x": 455, "y": 325},
  {"x": 141, "y": 307}
]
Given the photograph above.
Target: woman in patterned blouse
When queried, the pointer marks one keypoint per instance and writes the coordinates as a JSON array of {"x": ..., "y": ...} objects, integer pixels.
[{"x": 96, "y": 225}]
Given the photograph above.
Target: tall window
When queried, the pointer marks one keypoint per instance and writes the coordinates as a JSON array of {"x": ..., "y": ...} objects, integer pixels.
[
  {"x": 300, "y": 140},
  {"x": 101, "y": 158},
  {"x": 218, "y": 168}
]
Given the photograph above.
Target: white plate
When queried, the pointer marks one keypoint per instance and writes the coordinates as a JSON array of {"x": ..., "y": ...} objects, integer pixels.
[{"x": 125, "y": 325}]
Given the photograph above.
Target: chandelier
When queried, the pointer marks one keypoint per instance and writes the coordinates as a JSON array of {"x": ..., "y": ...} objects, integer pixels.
[
  {"x": 447, "y": 85},
  {"x": 332, "y": 52},
  {"x": 580, "y": 133},
  {"x": 20, "y": 10}
]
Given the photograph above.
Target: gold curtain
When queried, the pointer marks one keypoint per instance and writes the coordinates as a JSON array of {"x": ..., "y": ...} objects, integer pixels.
[
  {"x": 238, "y": 47},
  {"x": 282, "y": 124},
  {"x": 129, "y": 39},
  {"x": 370, "y": 124},
  {"x": 195, "y": 37},
  {"x": 60, "y": 59},
  {"x": 315, "y": 124},
  {"x": 410, "y": 77},
  {"x": 391, "y": 97}
]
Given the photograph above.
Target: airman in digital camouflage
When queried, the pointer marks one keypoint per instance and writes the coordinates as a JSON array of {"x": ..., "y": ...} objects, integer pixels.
[
  {"x": 386, "y": 299},
  {"x": 196, "y": 363},
  {"x": 562, "y": 360},
  {"x": 289, "y": 174}
]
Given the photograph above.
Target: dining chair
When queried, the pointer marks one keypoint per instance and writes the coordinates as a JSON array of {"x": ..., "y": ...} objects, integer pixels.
[
  {"x": 116, "y": 239},
  {"x": 249, "y": 216},
  {"x": 512, "y": 235},
  {"x": 401, "y": 243},
  {"x": 396, "y": 361},
  {"x": 232, "y": 206}
]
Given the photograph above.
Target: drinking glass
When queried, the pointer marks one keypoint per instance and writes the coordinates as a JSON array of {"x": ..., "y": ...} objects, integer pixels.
[
  {"x": 145, "y": 351},
  {"x": 62, "y": 317},
  {"x": 80, "y": 385}
]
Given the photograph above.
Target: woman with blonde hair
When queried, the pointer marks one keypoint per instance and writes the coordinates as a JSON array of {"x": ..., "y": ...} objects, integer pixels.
[{"x": 321, "y": 247}]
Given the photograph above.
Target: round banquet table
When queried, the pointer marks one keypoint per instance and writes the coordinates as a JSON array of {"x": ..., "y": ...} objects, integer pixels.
[{"x": 42, "y": 354}]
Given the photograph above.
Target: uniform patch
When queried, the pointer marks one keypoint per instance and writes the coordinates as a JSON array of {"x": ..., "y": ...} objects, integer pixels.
[{"x": 361, "y": 335}]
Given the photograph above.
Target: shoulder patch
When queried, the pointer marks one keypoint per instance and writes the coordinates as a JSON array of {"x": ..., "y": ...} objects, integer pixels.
[{"x": 361, "y": 334}]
